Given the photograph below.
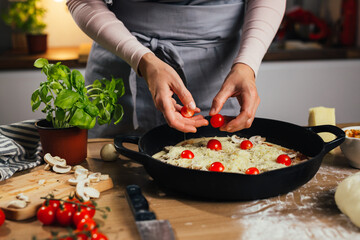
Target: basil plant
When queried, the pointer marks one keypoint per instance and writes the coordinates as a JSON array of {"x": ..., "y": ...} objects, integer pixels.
[{"x": 68, "y": 102}]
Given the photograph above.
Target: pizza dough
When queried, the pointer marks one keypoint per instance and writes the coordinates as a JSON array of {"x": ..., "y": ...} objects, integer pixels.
[{"x": 347, "y": 198}]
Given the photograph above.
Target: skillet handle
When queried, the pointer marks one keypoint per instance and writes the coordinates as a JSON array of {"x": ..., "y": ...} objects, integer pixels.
[
  {"x": 134, "y": 155},
  {"x": 340, "y": 135}
]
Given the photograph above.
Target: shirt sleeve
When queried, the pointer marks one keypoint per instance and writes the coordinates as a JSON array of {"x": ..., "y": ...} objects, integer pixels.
[
  {"x": 99, "y": 23},
  {"x": 262, "y": 20}
]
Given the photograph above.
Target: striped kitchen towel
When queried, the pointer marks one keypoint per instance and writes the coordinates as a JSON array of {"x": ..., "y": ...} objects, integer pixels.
[{"x": 19, "y": 148}]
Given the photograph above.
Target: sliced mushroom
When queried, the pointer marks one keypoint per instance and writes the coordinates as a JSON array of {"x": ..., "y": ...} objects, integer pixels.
[
  {"x": 53, "y": 161},
  {"x": 81, "y": 173},
  {"x": 104, "y": 177},
  {"x": 236, "y": 139},
  {"x": 47, "y": 167},
  {"x": 77, "y": 167},
  {"x": 61, "y": 169},
  {"x": 94, "y": 177},
  {"x": 257, "y": 139},
  {"x": 73, "y": 181},
  {"x": 23, "y": 197},
  {"x": 91, "y": 192},
  {"x": 80, "y": 189},
  {"x": 17, "y": 204}
]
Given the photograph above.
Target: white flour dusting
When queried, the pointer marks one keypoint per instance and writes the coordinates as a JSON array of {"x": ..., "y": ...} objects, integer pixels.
[{"x": 309, "y": 212}]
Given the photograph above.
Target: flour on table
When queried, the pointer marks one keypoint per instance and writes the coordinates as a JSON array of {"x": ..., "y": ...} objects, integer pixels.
[{"x": 299, "y": 215}]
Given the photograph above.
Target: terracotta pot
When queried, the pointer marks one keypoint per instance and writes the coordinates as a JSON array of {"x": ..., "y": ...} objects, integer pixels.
[
  {"x": 36, "y": 43},
  {"x": 68, "y": 143}
]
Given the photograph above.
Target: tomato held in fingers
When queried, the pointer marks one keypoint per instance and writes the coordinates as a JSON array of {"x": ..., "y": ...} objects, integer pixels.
[
  {"x": 187, "y": 154},
  {"x": 217, "y": 167},
  {"x": 46, "y": 215},
  {"x": 284, "y": 159},
  {"x": 2, "y": 217},
  {"x": 214, "y": 144},
  {"x": 217, "y": 121},
  {"x": 246, "y": 144},
  {"x": 186, "y": 112},
  {"x": 64, "y": 216},
  {"x": 252, "y": 171}
]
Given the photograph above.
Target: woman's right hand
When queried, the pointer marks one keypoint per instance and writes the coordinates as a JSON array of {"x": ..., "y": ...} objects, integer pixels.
[{"x": 163, "y": 81}]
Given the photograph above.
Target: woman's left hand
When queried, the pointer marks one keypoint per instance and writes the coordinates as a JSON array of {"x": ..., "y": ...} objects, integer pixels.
[{"x": 239, "y": 83}]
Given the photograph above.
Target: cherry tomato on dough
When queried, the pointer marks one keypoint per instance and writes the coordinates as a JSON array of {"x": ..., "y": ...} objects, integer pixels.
[
  {"x": 187, "y": 113},
  {"x": 217, "y": 120},
  {"x": 284, "y": 159},
  {"x": 2, "y": 217},
  {"x": 46, "y": 215},
  {"x": 246, "y": 144},
  {"x": 214, "y": 144},
  {"x": 187, "y": 154},
  {"x": 252, "y": 171},
  {"x": 216, "y": 167},
  {"x": 64, "y": 216}
]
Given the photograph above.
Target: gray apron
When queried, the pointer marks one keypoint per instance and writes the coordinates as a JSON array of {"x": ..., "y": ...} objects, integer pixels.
[{"x": 199, "y": 41}]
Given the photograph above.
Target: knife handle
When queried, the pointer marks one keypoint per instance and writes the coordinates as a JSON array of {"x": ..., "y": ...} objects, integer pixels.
[{"x": 138, "y": 204}]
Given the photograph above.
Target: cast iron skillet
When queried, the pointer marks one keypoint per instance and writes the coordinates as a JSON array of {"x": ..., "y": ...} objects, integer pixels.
[{"x": 232, "y": 186}]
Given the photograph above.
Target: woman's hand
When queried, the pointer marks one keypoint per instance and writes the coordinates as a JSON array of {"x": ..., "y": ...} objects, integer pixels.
[
  {"x": 240, "y": 83},
  {"x": 163, "y": 82}
]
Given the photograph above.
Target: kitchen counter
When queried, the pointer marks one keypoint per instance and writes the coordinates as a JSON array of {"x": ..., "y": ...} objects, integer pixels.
[
  {"x": 76, "y": 57},
  {"x": 309, "y": 212}
]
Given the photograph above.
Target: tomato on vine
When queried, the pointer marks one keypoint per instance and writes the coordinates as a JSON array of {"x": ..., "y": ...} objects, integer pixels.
[
  {"x": 214, "y": 144},
  {"x": 86, "y": 225},
  {"x": 79, "y": 215},
  {"x": 2, "y": 217},
  {"x": 64, "y": 216},
  {"x": 46, "y": 215},
  {"x": 217, "y": 120},
  {"x": 90, "y": 208},
  {"x": 95, "y": 235}
]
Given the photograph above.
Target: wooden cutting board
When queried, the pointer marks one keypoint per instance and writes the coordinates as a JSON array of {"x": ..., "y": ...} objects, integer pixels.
[{"x": 28, "y": 184}]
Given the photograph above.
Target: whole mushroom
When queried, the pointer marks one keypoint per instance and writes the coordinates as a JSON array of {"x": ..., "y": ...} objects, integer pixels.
[{"x": 108, "y": 152}]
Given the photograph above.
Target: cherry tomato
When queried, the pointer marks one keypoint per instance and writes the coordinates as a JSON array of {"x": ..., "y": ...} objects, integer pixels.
[
  {"x": 216, "y": 167},
  {"x": 217, "y": 120},
  {"x": 2, "y": 217},
  {"x": 214, "y": 144},
  {"x": 73, "y": 206},
  {"x": 46, "y": 215},
  {"x": 246, "y": 144},
  {"x": 252, "y": 171},
  {"x": 53, "y": 203},
  {"x": 284, "y": 159},
  {"x": 64, "y": 216},
  {"x": 81, "y": 236},
  {"x": 86, "y": 225},
  {"x": 90, "y": 208},
  {"x": 95, "y": 235},
  {"x": 187, "y": 113},
  {"x": 187, "y": 154},
  {"x": 79, "y": 215}
]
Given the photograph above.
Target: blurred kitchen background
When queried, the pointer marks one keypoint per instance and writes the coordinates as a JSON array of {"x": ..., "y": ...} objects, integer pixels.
[{"x": 313, "y": 61}]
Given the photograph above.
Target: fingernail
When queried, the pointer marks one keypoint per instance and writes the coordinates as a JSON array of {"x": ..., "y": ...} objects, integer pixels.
[
  {"x": 192, "y": 105},
  {"x": 212, "y": 110}
]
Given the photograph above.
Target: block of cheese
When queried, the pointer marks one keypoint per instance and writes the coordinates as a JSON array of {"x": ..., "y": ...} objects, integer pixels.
[{"x": 322, "y": 116}]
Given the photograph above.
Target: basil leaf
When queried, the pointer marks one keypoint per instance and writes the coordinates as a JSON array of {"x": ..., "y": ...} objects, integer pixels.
[
  {"x": 118, "y": 114},
  {"x": 77, "y": 80},
  {"x": 66, "y": 99},
  {"x": 41, "y": 62},
  {"x": 92, "y": 110},
  {"x": 82, "y": 120},
  {"x": 60, "y": 115},
  {"x": 35, "y": 105},
  {"x": 35, "y": 96}
]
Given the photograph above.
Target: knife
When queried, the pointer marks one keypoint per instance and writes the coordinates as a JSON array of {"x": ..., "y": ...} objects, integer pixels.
[{"x": 148, "y": 226}]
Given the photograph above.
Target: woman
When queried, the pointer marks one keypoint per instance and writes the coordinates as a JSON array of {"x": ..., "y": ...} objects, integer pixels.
[{"x": 179, "y": 52}]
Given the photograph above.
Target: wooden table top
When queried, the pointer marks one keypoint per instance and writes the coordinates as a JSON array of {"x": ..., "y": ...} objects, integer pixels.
[{"x": 309, "y": 212}]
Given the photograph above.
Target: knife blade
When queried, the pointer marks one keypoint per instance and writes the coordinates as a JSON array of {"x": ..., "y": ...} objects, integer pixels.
[{"x": 148, "y": 226}]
